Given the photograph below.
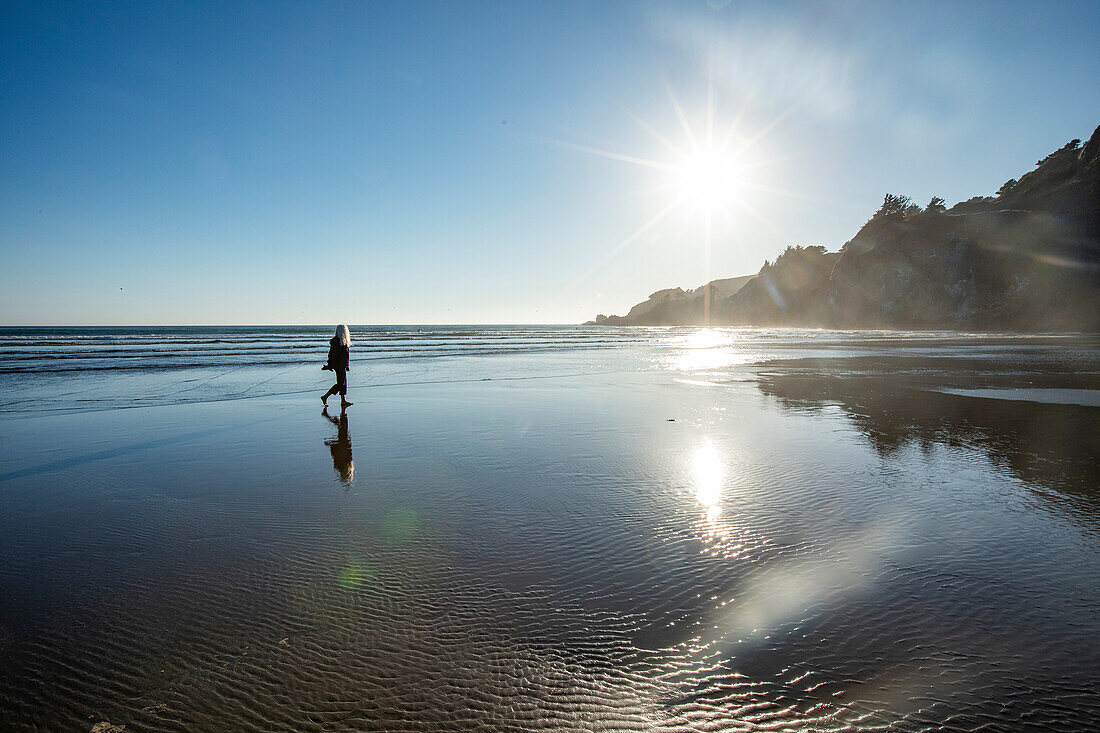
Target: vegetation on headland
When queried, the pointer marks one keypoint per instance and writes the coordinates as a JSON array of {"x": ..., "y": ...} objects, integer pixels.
[{"x": 1027, "y": 258}]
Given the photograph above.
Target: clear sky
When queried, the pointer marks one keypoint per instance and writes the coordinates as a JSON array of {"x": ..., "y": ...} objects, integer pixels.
[{"x": 407, "y": 162}]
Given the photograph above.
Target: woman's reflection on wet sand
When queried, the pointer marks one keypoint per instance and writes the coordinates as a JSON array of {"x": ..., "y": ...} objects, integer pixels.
[{"x": 340, "y": 447}]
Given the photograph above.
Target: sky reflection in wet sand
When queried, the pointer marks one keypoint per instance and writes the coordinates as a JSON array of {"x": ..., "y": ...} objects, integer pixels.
[{"x": 792, "y": 546}]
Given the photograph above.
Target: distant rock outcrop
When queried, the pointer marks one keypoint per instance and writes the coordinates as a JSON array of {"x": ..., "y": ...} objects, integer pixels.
[
  {"x": 1027, "y": 258},
  {"x": 676, "y": 306}
]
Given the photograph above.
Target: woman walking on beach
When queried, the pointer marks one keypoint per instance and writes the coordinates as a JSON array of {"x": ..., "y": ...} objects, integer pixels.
[{"x": 339, "y": 361}]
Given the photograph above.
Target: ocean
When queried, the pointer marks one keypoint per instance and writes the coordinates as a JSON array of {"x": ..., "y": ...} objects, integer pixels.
[
  {"x": 80, "y": 368},
  {"x": 91, "y": 368}
]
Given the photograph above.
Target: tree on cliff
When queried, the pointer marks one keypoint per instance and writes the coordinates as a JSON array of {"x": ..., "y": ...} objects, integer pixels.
[
  {"x": 896, "y": 207},
  {"x": 893, "y": 207},
  {"x": 1069, "y": 147}
]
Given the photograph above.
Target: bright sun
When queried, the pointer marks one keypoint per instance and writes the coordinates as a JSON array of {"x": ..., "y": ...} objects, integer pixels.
[
  {"x": 709, "y": 171},
  {"x": 707, "y": 178}
]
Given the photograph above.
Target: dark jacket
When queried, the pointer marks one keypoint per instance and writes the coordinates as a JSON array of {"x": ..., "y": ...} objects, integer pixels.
[{"x": 339, "y": 355}]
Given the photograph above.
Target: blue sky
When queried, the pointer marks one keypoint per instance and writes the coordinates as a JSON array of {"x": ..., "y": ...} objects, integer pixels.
[{"x": 408, "y": 162}]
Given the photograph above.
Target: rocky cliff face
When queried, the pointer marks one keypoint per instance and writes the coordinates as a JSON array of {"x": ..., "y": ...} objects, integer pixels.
[
  {"x": 675, "y": 306},
  {"x": 1025, "y": 259},
  {"x": 1000, "y": 269},
  {"x": 786, "y": 293}
]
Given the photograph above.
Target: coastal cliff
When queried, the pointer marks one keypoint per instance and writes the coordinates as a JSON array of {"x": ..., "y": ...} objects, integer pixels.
[
  {"x": 1027, "y": 258},
  {"x": 676, "y": 306}
]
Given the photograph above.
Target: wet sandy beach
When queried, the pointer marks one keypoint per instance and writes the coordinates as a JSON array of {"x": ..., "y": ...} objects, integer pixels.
[{"x": 674, "y": 534}]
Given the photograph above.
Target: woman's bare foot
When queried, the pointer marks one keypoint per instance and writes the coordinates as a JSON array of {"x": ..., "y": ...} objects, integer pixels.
[
  {"x": 324, "y": 401},
  {"x": 345, "y": 403}
]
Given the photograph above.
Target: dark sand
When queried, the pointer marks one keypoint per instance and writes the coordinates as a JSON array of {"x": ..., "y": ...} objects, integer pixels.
[{"x": 675, "y": 539}]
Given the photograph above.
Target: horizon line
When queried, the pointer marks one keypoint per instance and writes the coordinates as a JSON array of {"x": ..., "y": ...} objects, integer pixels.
[{"x": 295, "y": 325}]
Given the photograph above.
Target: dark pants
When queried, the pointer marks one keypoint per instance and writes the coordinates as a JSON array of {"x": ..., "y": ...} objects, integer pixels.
[{"x": 341, "y": 385}]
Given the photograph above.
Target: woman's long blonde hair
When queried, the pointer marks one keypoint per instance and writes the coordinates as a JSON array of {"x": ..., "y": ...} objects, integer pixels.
[{"x": 344, "y": 335}]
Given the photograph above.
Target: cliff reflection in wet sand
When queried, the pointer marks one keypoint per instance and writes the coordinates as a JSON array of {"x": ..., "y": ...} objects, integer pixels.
[{"x": 906, "y": 401}]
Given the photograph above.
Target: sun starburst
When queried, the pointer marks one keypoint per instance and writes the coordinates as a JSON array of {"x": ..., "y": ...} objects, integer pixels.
[{"x": 708, "y": 171}]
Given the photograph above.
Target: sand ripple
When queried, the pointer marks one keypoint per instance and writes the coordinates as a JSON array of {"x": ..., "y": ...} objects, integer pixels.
[{"x": 515, "y": 568}]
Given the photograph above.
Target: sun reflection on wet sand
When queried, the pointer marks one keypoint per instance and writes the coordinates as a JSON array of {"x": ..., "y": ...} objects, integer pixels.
[
  {"x": 709, "y": 474},
  {"x": 709, "y": 348},
  {"x": 706, "y": 338}
]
